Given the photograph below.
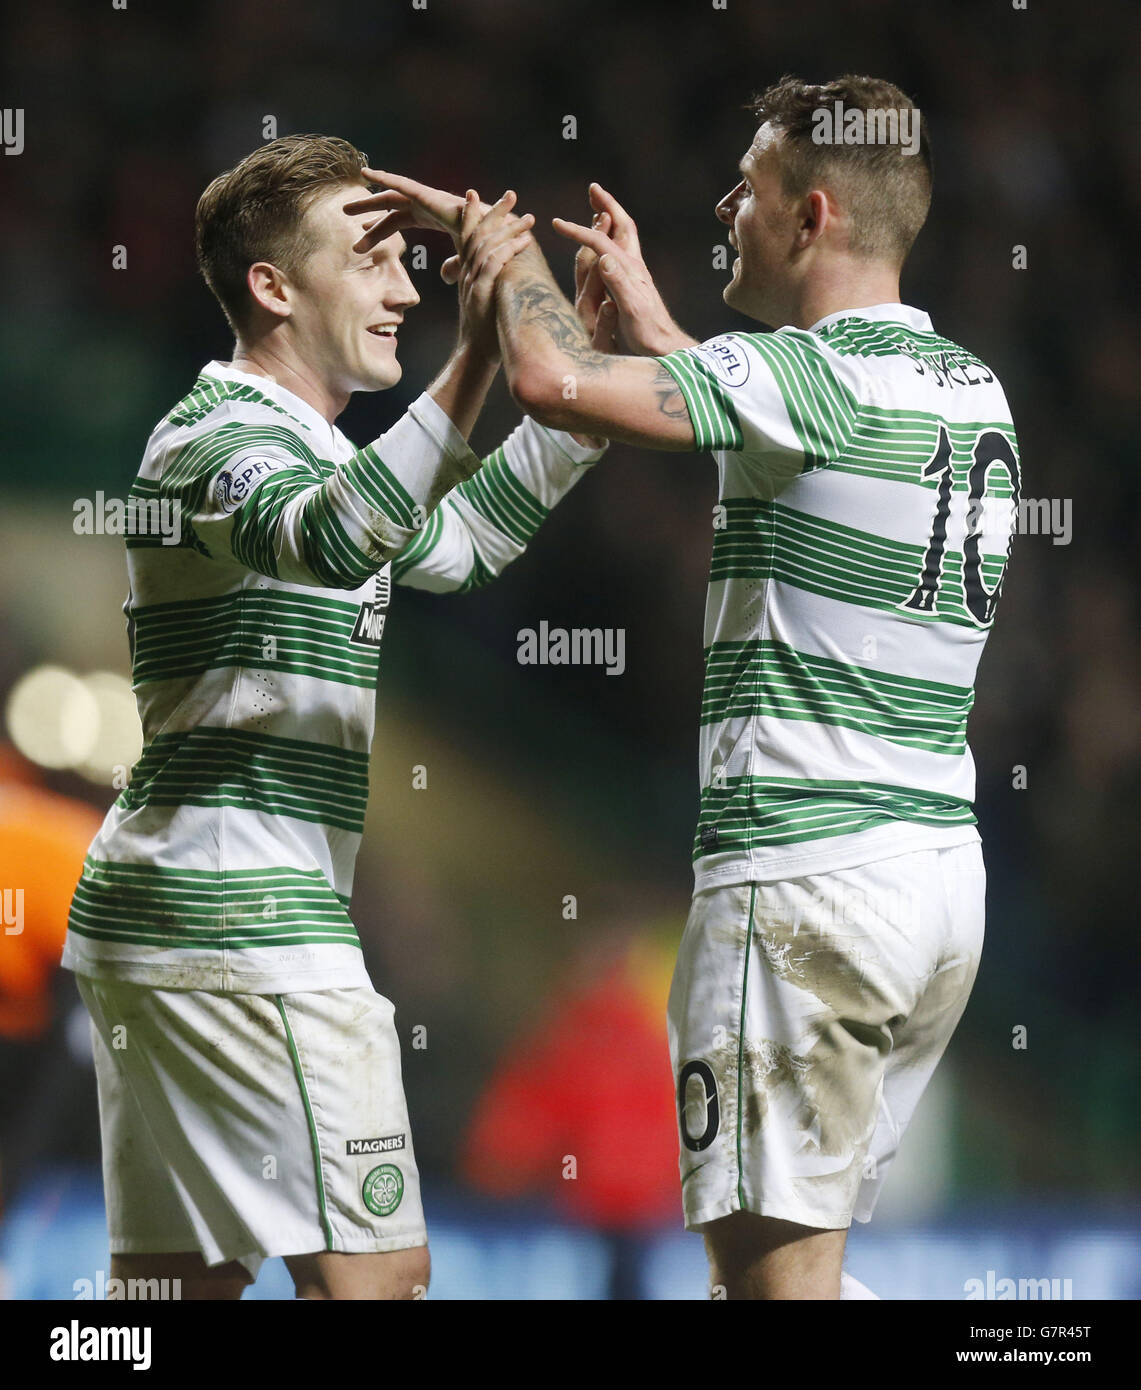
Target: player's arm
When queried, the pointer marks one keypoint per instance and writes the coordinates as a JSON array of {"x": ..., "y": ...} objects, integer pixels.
[
  {"x": 255, "y": 494},
  {"x": 404, "y": 203},
  {"x": 615, "y": 289},
  {"x": 553, "y": 370},
  {"x": 489, "y": 520},
  {"x": 781, "y": 400},
  {"x": 555, "y": 373}
]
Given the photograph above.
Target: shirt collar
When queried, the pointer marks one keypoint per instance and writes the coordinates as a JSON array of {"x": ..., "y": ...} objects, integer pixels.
[
  {"x": 302, "y": 410},
  {"x": 892, "y": 313}
]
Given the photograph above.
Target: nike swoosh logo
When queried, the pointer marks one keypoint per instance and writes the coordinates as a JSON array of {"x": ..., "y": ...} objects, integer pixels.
[{"x": 691, "y": 1172}]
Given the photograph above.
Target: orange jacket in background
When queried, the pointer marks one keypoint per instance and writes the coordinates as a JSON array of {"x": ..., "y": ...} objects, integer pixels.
[{"x": 43, "y": 838}]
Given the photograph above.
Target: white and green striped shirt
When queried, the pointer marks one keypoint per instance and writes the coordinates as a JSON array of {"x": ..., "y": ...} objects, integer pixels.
[
  {"x": 868, "y": 488},
  {"x": 227, "y": 863}
]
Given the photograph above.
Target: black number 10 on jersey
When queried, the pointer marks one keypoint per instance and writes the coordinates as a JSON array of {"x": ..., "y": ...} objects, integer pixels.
[{"x": 991, "y": 450}]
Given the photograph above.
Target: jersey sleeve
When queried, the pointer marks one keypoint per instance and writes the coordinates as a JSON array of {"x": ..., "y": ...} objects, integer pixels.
[
  {"x": 488, "y": 520},
  {"x": 255, "y": 492},
  {"x": 779, "y": 399}
]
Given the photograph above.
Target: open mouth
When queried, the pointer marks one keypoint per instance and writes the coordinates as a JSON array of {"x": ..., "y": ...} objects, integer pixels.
[{"x": 383, "y": 330}]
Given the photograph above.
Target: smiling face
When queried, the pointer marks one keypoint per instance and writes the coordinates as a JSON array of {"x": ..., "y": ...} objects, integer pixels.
[
  {"x": 345, "y": 308},
  {"x": 762, "y": 220}
]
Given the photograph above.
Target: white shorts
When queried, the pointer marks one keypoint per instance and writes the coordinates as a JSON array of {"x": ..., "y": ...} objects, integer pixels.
[
  {"x": 250, "y": 1125},
  {"x": 805, "y": 1019}
]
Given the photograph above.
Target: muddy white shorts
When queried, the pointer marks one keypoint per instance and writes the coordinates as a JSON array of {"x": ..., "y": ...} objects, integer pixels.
[
  {"x": 251, "y": 1125},
  {"x": 805, "y": 1019}
]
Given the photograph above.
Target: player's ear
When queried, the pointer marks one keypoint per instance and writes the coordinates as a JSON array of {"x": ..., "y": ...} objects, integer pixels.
[
  {"x": 816, "y": 213},
  {"x": 269, "y": 288}
]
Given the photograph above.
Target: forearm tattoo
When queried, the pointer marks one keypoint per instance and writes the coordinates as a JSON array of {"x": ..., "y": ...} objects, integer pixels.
[
  {"x": 671, "y": 403},
  {"x": 534, "y": 300}
]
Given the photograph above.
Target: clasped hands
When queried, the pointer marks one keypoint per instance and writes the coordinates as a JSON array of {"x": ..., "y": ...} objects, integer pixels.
[{"x": 615, "y": 297}]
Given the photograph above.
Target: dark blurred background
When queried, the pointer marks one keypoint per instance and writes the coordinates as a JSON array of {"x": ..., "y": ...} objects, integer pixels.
[{"x": 545, "y": 782}]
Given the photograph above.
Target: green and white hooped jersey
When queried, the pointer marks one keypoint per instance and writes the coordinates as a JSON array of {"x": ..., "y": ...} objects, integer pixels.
[
  {"x": 227, "y": 863},
  {"x": 868, "y": 492}
]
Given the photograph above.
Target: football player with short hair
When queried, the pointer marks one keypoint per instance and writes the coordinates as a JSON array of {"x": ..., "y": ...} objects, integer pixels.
[
  {"x": 249, "y": 1073},
  {"x": 869, "y": 480}
]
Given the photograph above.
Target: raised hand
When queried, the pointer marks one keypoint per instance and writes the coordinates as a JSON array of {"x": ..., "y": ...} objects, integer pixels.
[
  {"x": 595, "y": 308},
  {"x": 477, "y": 271},
  {"x": 489, "y": 241},
  {"x": 617, "y": 284},
  {"x": 406, "y": 203}
]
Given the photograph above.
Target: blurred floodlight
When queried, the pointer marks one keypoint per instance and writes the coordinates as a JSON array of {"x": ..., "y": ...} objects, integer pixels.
[
  {"x": 120, "y": 737},
  {"x": 53, "y": 718},
  {"x": 89, "y": 723}
]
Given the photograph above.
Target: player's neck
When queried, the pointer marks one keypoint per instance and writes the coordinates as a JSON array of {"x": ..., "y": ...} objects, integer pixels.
[
  {"x": 286, "y": 370},
  {"x": 850, "y": 287}
]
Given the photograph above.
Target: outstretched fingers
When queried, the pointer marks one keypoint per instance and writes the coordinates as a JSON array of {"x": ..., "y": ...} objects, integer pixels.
[
  {"x": 375, "y": 232},
  {"x": 418, "y": 203},
  {"x": 623, "y": 228},
  {"x": 587, "y": 258},
  {"x": 389, "y": 198},
  {"x": 592, "y": 237}
]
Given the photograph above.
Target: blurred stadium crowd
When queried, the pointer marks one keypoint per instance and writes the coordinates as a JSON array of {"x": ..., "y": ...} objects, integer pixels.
[{"x": 549, "y": 781}]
